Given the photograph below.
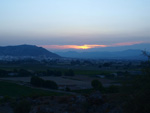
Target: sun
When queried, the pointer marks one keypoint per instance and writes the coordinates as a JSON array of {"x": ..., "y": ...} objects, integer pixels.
[{"x": 84, "y": 47}]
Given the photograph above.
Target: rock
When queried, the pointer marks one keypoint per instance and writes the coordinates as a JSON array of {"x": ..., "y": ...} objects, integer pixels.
[
  {"x": 96, "y": 95},
  {"x": 95, "y": 98},
  {"x": 80, "y": 99},
  {"x": 42, "y": 109},
  {"x": 6, "y": 109}
]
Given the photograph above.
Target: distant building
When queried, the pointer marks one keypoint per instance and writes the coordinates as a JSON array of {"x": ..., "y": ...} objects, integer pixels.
[{"x": 101, "y": 76}]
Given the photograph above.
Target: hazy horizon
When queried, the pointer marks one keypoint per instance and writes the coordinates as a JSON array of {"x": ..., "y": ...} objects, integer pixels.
[{"x": 76, "y": 24}]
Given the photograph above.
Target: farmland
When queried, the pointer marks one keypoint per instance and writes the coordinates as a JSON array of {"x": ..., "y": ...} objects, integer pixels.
[{"x": 75, "y": 82}]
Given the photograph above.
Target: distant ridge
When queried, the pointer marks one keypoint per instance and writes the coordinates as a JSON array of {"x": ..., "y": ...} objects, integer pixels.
[
  {"x": 26, "y": 50},
  {"x": 126, "y": 54}
]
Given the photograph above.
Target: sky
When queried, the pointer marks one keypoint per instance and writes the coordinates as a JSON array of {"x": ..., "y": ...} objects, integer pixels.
[{"x": 77, "y": 24}]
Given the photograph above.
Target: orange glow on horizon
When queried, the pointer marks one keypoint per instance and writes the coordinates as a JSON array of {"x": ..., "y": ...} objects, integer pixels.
[
  {"x": 86, "y": 46},
  {"x": 72, "y": 46}
]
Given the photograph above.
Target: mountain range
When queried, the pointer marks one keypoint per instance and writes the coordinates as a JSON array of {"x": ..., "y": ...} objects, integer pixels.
[
  {"x": 35, "y": 51},
  {"x": 26, "y": 50},
  {"x": 126, "y": 54},
  {"x": 116, "y": 52}
]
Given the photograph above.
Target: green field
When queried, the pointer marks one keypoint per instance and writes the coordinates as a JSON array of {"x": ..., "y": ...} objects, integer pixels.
[
  {"x": 78, "y": 71},
  {"x": 91, "y": 72},
  {"x": 15, "y": 90}
]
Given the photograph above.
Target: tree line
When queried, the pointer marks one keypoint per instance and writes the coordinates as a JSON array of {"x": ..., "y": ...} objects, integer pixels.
[
  {"x": 39, "y": 82},
  {"x": 26, "y": 73}
]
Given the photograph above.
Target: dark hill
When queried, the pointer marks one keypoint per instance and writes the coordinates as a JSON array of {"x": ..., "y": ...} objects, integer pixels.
[{"x": 26, "y": 50}]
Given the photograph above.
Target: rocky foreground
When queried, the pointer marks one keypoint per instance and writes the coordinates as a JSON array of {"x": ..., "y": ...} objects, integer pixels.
[{"x": 93, "y": 103}]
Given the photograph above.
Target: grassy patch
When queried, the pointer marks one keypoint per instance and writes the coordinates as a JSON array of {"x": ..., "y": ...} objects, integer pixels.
[
  {"x": 91, "y": 72},
  {"x": 15, "y": 90}
]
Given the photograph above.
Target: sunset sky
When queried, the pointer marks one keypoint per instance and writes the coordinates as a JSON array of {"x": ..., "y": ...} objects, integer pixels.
[{"x": 75, "y": 24}]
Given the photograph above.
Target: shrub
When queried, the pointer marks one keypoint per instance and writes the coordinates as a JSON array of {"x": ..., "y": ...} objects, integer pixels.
[
  {"x": 138, "y": 100},
  {"x": 113, "y": 89},
  {"x": 23, "y": 106},
  {"x": 50, "y": 84},
  {"x": 96, "y": 84},
  {"x": 37, "y": 81},
  {"x": 67, "y": 88}
]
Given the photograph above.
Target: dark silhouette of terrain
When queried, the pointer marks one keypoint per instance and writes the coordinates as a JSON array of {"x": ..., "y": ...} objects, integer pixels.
[
  {"x": 126, "y": 54},
  {"x": 26, "y": 50}
]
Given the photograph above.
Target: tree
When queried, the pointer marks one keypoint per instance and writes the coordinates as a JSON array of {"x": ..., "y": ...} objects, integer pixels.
[
  {"x": 57, "y": 73},
  {"x": 67, "y": 88},
  {"x": 49, "y": 72},
  {"x": 138, "y": 92},
  {"x": 3, "y": 73},
  {"x": 23, "y": 72},
  {"x": 96, "y": 84},
  {"x": 50, "y": 84},
  {"x": 37, "y": 81}
]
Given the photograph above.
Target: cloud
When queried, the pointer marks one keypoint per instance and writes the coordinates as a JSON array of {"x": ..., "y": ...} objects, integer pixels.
[
  {"x": 86, "y": 46},
  {"x": 126, "y": 43}
]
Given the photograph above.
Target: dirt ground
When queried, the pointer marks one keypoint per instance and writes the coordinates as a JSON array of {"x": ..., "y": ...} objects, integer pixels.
[{"x": 75, "y": 82}]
